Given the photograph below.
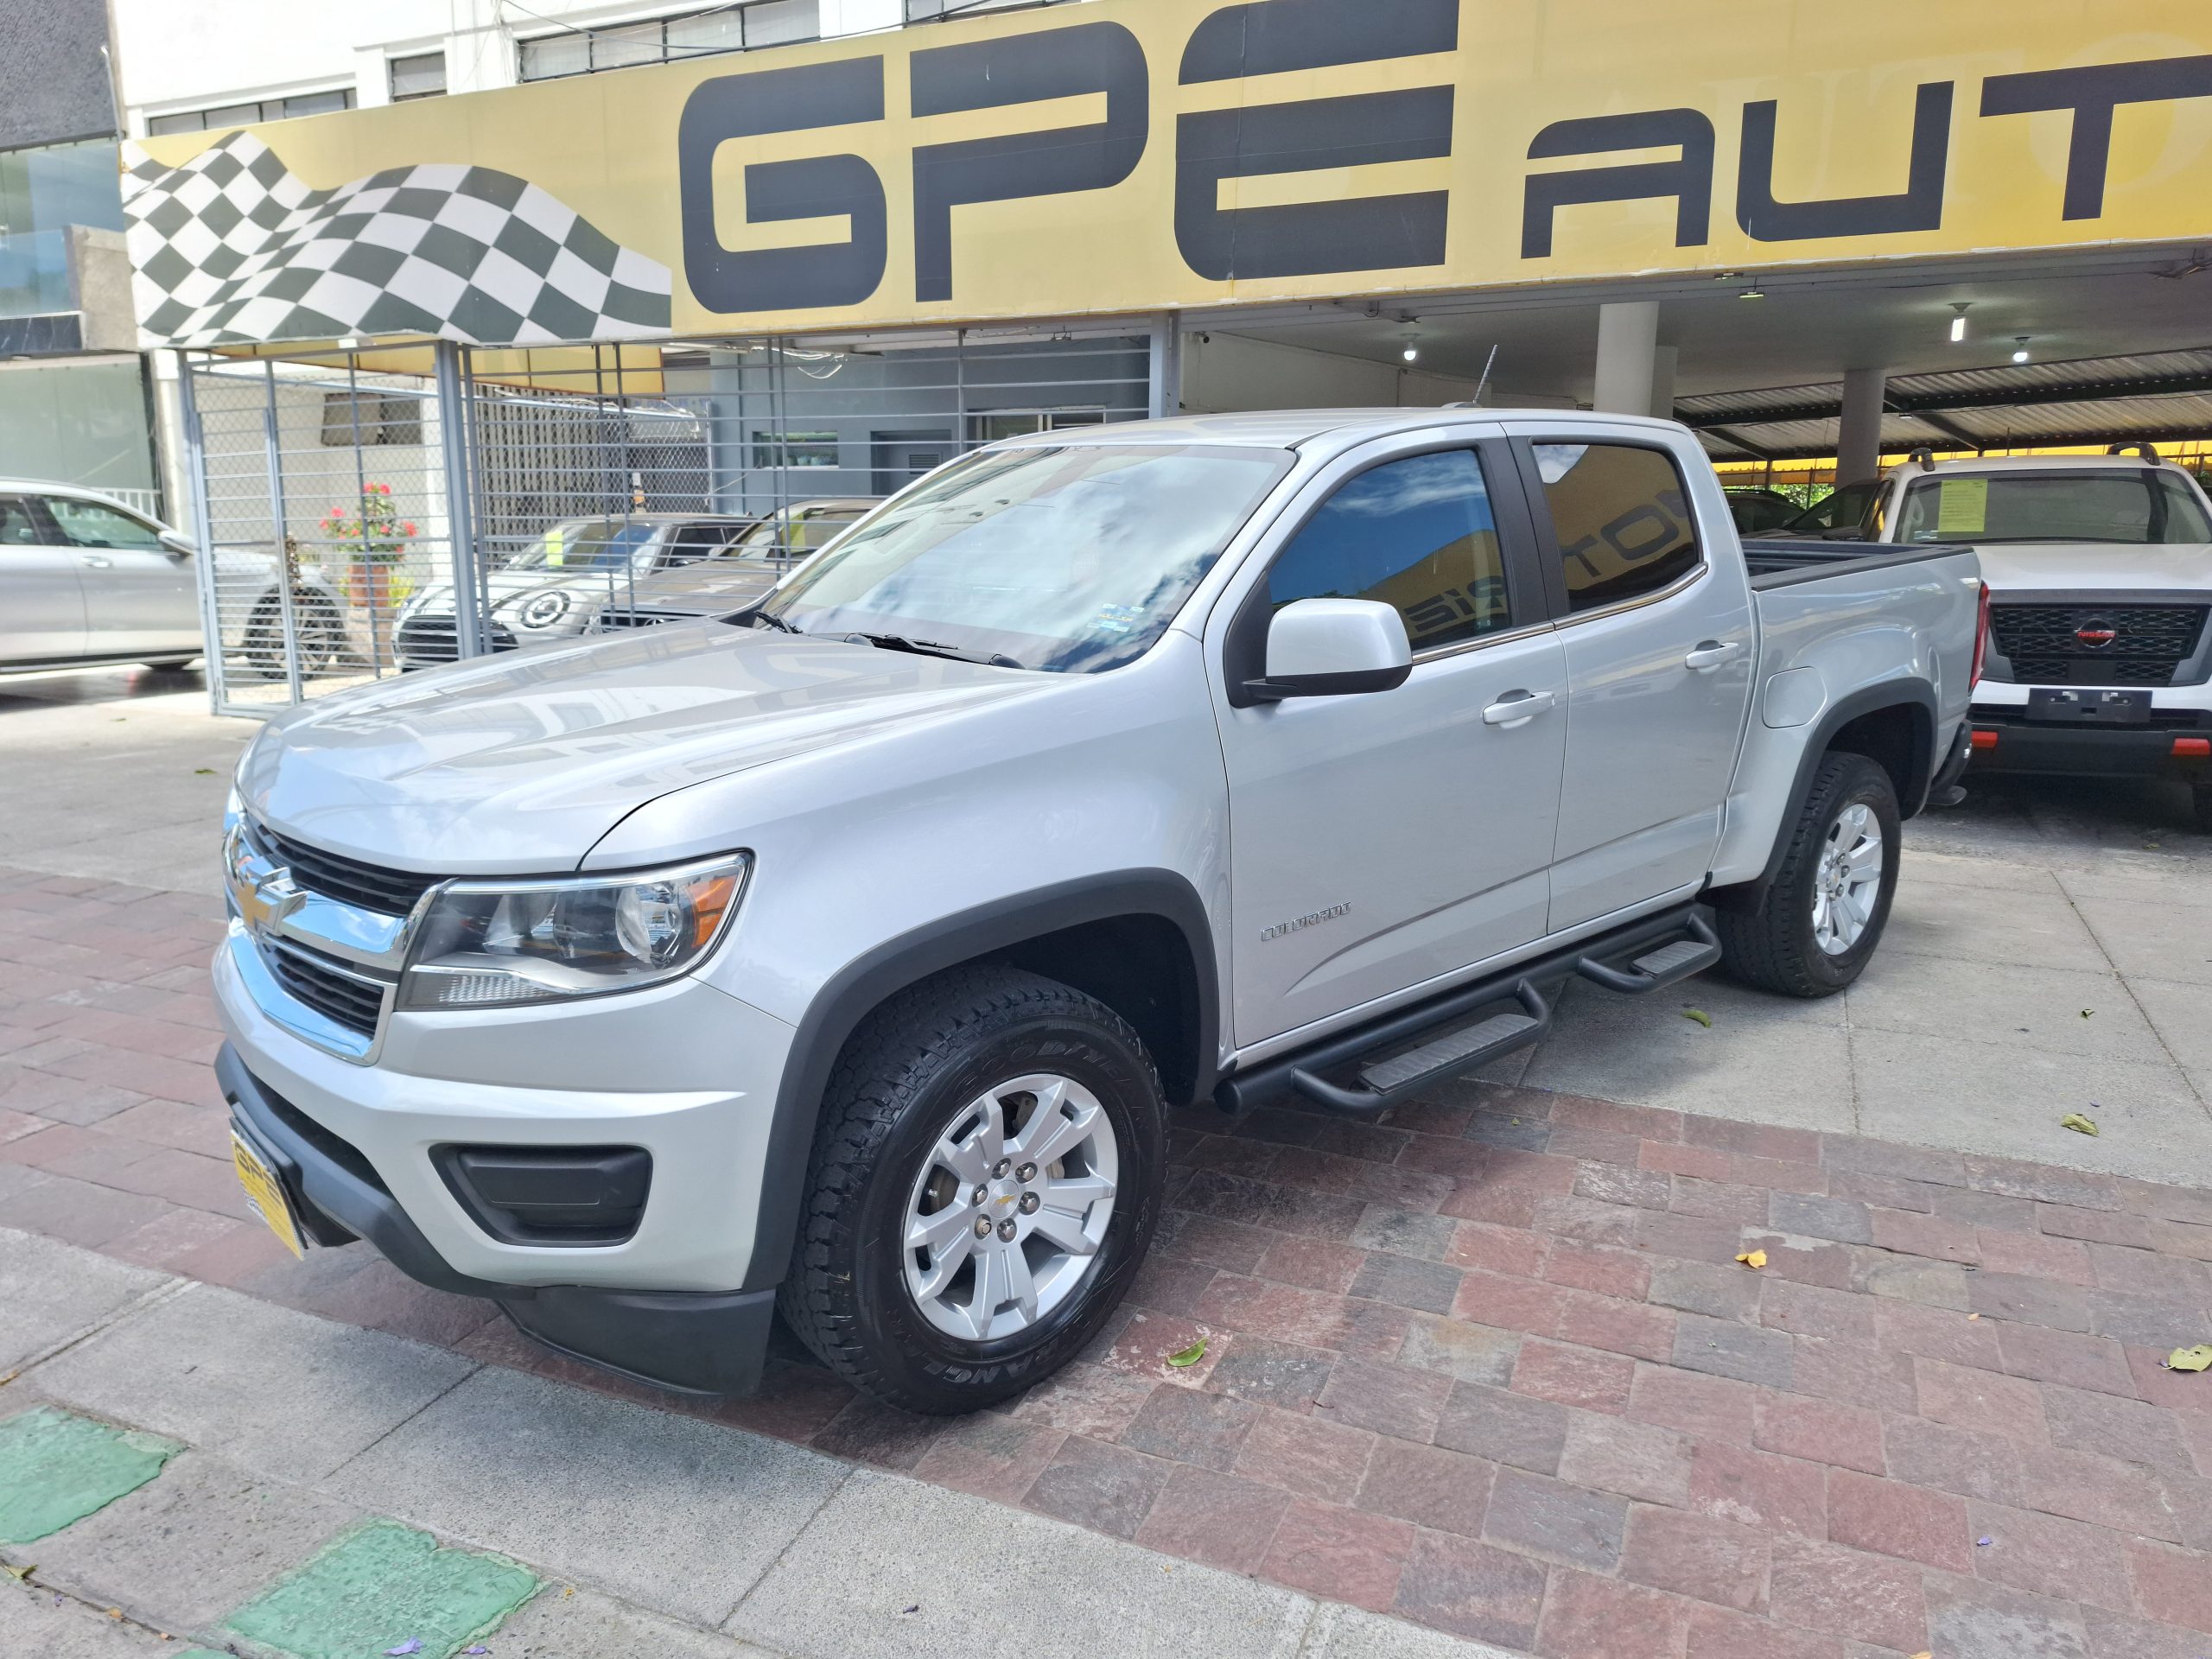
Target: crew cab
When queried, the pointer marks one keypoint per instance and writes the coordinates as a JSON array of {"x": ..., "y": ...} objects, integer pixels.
[
  {"x": 2100, "y": 570},
  {"x": 848, "y": 954}
]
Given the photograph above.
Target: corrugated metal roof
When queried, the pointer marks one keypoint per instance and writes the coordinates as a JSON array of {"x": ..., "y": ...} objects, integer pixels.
[{"x": 1984, "y": 404}]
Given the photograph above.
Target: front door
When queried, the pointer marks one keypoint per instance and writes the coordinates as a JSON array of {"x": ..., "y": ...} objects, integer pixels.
[
  {"x": 1659, "y": 646},
  {"x": 42, "y": 606},
  {"x": 138, "y": 591},
  {"x": 1382, "y": 840}
]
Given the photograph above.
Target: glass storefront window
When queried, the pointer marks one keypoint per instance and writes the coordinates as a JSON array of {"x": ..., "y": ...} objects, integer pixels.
[
  {"x": 691, "y": 34},
  {"x": 56, "y": 185}
]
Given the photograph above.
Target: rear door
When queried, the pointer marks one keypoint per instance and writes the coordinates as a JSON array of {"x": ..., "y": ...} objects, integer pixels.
[
  {"x": 41, "y": 604},
  {"x": 139, "y": 593},
  {"x": 1387, "y": 839},
  {"x": 1659, "y": 636}
]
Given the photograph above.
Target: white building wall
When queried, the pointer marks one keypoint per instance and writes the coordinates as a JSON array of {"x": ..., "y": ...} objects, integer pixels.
[{"x": 178, "y": 55}]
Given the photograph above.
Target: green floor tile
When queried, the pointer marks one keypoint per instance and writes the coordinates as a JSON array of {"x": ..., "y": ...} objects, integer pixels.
[
  {"x": 380, "y": 1587},
  {"x": 56, "y": 1467}
]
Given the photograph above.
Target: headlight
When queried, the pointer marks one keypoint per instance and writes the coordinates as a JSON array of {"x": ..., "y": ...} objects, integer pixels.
[
  {"x": 498, "y": 943},
  {"x": 543, "y": 610}
]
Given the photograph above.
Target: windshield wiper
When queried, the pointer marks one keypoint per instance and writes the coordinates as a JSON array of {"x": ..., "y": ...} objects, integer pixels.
[
  {"x": 932, "y": 648},
  {"x": 775, "y": 622}
]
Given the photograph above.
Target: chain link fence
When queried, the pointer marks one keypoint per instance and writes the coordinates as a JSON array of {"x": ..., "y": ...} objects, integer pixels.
[{"x": 360, "y": 524}]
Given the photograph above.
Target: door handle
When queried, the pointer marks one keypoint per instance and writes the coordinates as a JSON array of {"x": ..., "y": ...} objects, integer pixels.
[
  {"x": 1710, "y": 653},
  {"x": 1517, "y": 708},
  {"x": 95, "y": 561}
]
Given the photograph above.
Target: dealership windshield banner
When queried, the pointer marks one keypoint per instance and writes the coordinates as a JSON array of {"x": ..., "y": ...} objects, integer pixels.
[{"x": 1133, "y": 155}]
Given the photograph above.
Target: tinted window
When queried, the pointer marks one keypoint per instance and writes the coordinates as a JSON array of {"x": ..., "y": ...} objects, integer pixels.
[
  {"x": 1416, "y": 533},
  {"x": 1621, "y": 518},
  {"x": 17, "y": 528},
  {"x": 88, "y": 524},
  {"x": 1850, "y": 506}
]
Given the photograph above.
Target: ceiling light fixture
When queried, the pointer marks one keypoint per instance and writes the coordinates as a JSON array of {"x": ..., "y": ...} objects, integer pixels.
[
  {"x": 1959, "y": 322},
  {"x": 1412, "y": 348},
  {"x": 2021, "y": 356},
  {"x": 1754, "y": 292}
]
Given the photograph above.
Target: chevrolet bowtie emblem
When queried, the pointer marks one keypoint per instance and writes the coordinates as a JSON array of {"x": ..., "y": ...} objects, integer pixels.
[{"x": 268, "y": 901}]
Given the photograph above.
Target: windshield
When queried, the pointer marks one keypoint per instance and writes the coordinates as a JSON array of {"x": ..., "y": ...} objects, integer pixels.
[
  {"x": 588, "y": 544},
  {"x": 791, "y": 532},
  {"x": 1072, "y": 558},
  {"x": 1843, "y": 508},
  {"x": 2136, "y": 508}
]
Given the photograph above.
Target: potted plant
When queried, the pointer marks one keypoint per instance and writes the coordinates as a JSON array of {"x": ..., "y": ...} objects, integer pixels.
[{"x": 374, "y": 538}]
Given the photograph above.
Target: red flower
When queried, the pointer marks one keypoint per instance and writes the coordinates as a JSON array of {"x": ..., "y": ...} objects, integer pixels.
[
  {"x": 384, "y": 489},
  {"x": 407, "y": 529}
]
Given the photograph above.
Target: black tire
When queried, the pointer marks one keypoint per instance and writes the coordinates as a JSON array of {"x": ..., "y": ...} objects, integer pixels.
[
  {"x": 910, "y": 1068},
  {"x": 322, "y": 644},
  {"x": 1773, "y": 947}
]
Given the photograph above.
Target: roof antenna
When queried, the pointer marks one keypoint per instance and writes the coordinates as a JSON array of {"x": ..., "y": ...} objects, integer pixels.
[{"x": 1476, "y": 402}]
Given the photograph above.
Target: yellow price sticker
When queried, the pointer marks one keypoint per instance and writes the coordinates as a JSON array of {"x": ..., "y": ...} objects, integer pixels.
[
  {"x": 553, "y": 547},
  {"x": 1962, "y": 509}
]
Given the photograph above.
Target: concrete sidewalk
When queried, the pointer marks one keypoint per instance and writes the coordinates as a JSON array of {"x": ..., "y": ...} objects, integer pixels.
[{"x": 653, "y": 1533}]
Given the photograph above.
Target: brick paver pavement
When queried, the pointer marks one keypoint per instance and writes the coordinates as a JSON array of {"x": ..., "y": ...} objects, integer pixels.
[{"x": 1490, "y": 1364}]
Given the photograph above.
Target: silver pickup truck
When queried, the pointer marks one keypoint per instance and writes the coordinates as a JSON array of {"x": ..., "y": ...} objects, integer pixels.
[{"x": 848, "y": 954}]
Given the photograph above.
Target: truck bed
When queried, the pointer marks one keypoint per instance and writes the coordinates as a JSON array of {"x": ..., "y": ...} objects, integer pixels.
[{"x": 1777, "y": 561}]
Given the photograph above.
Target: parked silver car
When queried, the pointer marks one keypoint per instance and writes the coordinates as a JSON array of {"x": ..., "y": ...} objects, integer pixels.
[
  {"x": 85, "y": 579},
  {"x": 556, "y": 587},
  {"x": 740, "y": 573}
]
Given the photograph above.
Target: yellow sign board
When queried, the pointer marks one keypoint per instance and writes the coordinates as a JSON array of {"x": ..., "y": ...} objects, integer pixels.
[
  {"x": 1962, "y": 506},
  {"x": 1132, "y": 155}
]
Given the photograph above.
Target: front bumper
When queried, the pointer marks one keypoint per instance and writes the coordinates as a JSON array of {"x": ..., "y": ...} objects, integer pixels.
[
  {"x": 2006, "y": 742},
  {"x": 684, "y": 1070},
  {"x": 700, "y": 1342}
]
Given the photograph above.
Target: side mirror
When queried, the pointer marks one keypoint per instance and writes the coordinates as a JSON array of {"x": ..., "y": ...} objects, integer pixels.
[{"x": 1333, "y": 648}]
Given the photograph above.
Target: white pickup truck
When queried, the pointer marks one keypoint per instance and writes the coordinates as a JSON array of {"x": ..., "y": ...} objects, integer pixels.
[
  {"x": 2100, "y": 571},
  {"x": 850, "y": 952}
]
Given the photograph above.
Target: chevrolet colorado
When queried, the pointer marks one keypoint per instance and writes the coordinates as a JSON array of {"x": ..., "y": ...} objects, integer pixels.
[{"x": 849, "y": 953}]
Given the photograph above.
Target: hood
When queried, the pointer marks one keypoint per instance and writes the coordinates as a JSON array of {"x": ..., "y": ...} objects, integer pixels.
[
  {"x": 706, "y": 590},
  {"x": 523, "y": 762},
  {"x": 2094, "y": 568}
]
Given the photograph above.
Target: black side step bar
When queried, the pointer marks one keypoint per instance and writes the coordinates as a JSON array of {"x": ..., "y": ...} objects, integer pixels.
[
  {"x": 1669, "y": 964},
  {"x": 1385, "y": 1082},
  {"x": 1468, "y": 1028}
]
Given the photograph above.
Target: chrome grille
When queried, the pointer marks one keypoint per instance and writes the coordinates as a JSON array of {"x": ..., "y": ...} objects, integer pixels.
[
  {"x": 2042, "y": 646},
  {"x": 388, "y": 893},
  {"x": 432, "y": 638},
  {"x": 354, "y": 1001}
]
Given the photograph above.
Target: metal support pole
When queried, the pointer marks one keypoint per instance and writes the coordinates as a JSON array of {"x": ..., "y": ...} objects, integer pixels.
[
  {"x": 1165, "y": 396},
  {"x": 469, "y": 637},
  {"x": 286, "y": 609},
  {"x": 194, "y": 481},
  {"x": 368, "y": 567}
]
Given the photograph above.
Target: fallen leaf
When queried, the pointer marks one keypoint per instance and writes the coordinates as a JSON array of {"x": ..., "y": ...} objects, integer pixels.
[
  {"x": 916, "y": 1608},
  {"x": 1190, "y": 1356},
  {"x": 115, "y": 1612},
  {"x": 412, "y": 1644},
  {"x": 1972, "y": 1316},
  {"x": 2198, "y": 1358},
  {"x": 19, "y": 1574},
  {"x": 1923, "y": 1656},
  {"x": 203, "y": 771},
  {"x": 1753, "y": 1258},
  {"x": 2078, "y": 1123},
  {"x": 1699, "y": 1015}
]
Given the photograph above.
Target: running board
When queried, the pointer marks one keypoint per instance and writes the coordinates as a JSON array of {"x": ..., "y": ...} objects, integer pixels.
[
  {"x": 1393, "y": 1058},
  {"x": 1384, "y": 1083},
  {"x": 1669, "y": 964}
]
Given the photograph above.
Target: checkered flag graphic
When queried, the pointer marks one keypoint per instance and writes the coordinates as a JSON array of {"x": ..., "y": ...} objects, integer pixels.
[{"x": 230, "y": 248}]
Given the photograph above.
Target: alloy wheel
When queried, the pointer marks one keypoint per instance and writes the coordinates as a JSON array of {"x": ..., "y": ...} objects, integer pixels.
[
  {"x": 1848, "y": 881},
  {"x": 1004, "y": 1221}
]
